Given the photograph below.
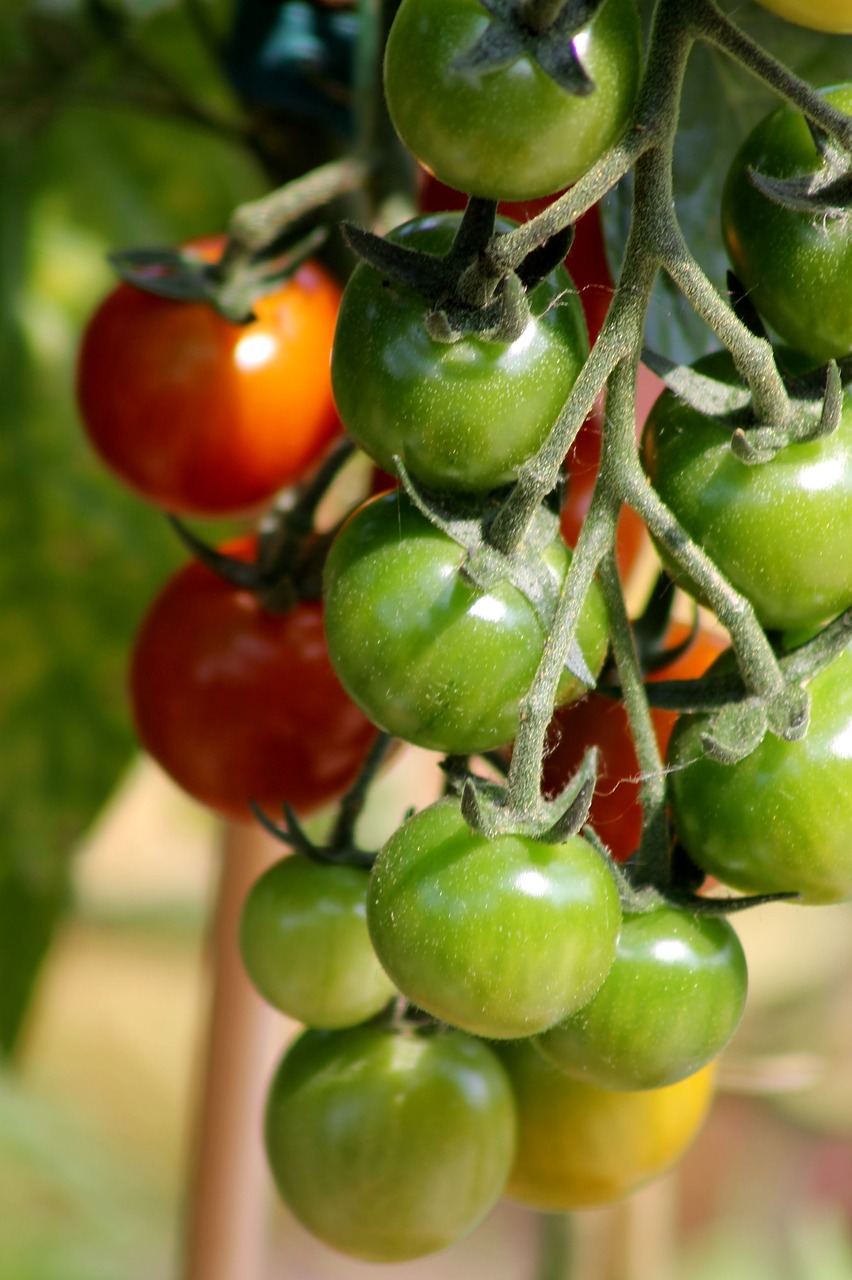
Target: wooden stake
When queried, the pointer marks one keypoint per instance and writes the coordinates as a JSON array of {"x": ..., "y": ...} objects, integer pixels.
[{"x": 225, "y": 1235}]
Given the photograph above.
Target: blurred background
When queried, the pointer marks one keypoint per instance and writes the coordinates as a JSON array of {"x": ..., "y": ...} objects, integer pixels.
[{"x": 122, "y": 124}]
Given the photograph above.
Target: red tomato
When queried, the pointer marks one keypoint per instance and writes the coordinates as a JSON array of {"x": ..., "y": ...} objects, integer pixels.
[
  {"x": 203, "y": 417},
  {"x": 616, "y": 813},
  {"x": 237, "y": 703}
]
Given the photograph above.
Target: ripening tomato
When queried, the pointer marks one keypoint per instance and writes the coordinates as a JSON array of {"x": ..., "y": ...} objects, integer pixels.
[
  {"x": 502, "y": 937},
  {"x": 796, "y": 265},
  {"x": 389, "y": 1144},
  {"x": 819, "y": 15},
  {"x": 595, "y": 720},
  {"x": 203, "y": 417},
  {"x": 780, "y": 820},
  {"x": 463, "y": 416},
  {"x": 778, "y": 530},
  {"x": 668, "y": 1006},
  {"x": 579, "y": 1146},
  {"x": 305, "y": 945},
  {"x": 508, "y": 133},
  {"x": 237, "y": 703},
  {"x": 429, "y": 657}
]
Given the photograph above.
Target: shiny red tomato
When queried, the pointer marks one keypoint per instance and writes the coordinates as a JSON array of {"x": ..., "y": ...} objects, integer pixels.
[
  {"x": 203, "y": 417},
  {"x": 616, "y": 813},
  {"x": 237, "y": 703}
]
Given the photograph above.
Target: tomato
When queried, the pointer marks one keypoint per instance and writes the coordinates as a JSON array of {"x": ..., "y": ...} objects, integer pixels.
[
  {"x": 388, "y": 1145},
  {"x": 819, "y": 15},
  {"x": 668, "y": 1006},
  {"x": 237, "y": 703},
  {"x": 510, "y": 133},
  {"x": 203, "y": 417},
  {"x": 796, "y": 267},
  {"x": 579, "y": 1146},
  {"x": 780, "y": 820},
  {"x": 429, "y": 658},
  {"x": 462, "y": 415},
  {"x": 501, "y": 937},
  {"x": 778, "y": 530},
  {"x": 616, "y": 812},
  {"x": 305, "y": 946}
]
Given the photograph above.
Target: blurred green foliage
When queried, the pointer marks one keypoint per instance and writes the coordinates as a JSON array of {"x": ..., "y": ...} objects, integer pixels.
[{"x": 80, "y": 174}]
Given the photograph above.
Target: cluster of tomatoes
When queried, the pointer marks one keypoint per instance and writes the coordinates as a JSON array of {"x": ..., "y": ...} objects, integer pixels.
[{"x": 485, "y": 1015}]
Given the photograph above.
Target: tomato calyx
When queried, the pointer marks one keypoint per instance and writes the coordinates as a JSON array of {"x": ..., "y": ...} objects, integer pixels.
[
  {"x": 183, "y": 275},
  {"x": 342, "y": 847},
  {"x": 825, "y": 192},
  {"x": 816, "y": 402},
  {"x": 289, "y": 553},
  {"x": 464, "y": 295},
  {"x": 532, "y": 29},
  {"x": 486, "y": 808}
]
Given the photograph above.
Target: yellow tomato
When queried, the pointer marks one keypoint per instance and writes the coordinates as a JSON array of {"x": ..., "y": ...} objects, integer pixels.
[
  {"x": 819, "y": 15},
  {"x": 579, "y": 1146}
]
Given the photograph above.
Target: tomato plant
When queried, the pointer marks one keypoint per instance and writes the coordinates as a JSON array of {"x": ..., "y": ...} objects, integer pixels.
[
  {"x": 796, "y": 266},
  {"x": 778, "y": 821},
  {"x": 237, "y": 703},
  {"x": 461, "y": 415},
  {"x": 668, "y": 1006},
  {"x": 580, "y": 1146},
  {"x": 819, "y": 15},
  {"x": 501, "y": 937},
  {"x": 596, "y": 720},
  {"x": 510, "y": 133},
  {"x": 389, "y": 1145},
  {"x": 428, "y": 657},
  {"x": 305, "y": 946},
  {"x": 204, "y": 417},
  {"x": 774, "y": 530}
]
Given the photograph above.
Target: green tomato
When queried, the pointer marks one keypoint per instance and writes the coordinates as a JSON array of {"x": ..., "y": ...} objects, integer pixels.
[
  {"x": 429, "y": 658},
  {"x": 796, "y": 267},
  {"x": 510, "y": 133},
  {"x": 305, "y": 945},
  {"x": 667, "y": 1007},
  {"x": 778, "y": 531},
  {"x": 462, "y": 416},
  {"x": 501, "y": 937},
  {"x": 779, "y": 821},
  {"x": 579, "y": 1146},
  {"x": 389, "y": 1145}
]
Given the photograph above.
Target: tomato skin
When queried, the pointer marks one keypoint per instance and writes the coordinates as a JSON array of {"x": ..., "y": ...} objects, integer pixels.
[
  {"x": 305, "y": 946},
  {"x": 389, "y": 1146},
  {"x": 819, "y": 15},
  {"x": 668, "y": 1006},
  {"x": 796, "y": 267},
  {"x": 510, "y": 134},
  {"x": 778, "y": 530},
  {"x": 427, "y": 657},
  {"x": 236, "y": 703},
  {"x": 780, "y": 820},
  {"x": 579, "y": 1146},
  {"x": 499, "y": 937},
  {"x": 463, "y": 416},
  {"x": 203, "y": 417},
  {"x": 595, "y": 720}
]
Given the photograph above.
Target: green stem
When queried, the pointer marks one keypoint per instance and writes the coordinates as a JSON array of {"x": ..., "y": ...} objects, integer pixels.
[
  {"x": 718, "y": 29},
  {"x": 555, "y": 1254}
]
